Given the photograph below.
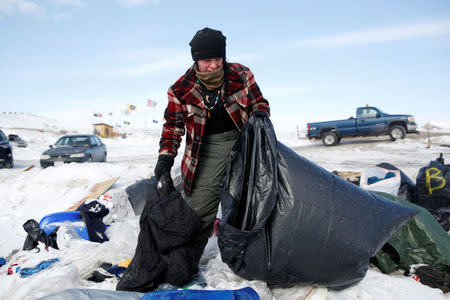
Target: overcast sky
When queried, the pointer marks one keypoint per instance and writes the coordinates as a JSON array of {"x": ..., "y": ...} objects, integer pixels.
[{"x": 313, "y": 60}]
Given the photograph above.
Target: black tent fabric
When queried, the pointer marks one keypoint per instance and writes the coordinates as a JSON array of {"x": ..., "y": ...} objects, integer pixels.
[
  {"x": 288, "y": 221},
  {"x": 165, "y": 252}
]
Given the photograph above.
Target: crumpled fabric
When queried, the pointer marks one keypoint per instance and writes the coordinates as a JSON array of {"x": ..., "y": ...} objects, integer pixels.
[
  {"x": 164, "y": 252},
  {"x": 93, "y": 213},
  {"x": 36, "y": 235}
]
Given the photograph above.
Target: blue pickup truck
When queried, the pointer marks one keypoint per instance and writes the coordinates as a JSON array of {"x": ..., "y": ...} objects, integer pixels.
[{"x": 369, "y": 121}]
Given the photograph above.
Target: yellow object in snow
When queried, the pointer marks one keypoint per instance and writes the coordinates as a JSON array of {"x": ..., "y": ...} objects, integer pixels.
[{"x": 124, "y": 263}]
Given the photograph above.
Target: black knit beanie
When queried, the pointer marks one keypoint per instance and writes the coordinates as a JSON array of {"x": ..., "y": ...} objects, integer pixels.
[{"x": 208, "y": 43}]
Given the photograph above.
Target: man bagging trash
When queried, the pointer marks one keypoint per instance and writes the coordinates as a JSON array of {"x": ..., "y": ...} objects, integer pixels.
[
  {"x": 296, "y": 224},
  {"x": 210, "y": 102}
]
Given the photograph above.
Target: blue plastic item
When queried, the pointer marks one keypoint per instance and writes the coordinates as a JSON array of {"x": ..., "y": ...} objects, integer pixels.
[
  {"x": 243, "y": 294},
  {"x": 116, "y": 270},
  {"x": 2, "y": 261},
  {"x": 25, "y": 272},
  {"x": 51, "y": 221},
  {"x": 373, "y": 179}
]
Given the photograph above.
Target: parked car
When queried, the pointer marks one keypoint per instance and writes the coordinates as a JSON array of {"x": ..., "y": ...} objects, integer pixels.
[
  {"x": 16, "y": 140},
  {"x": 74, "y": 148},
  {"x": 6, "y": 155},
  {"x": 369, "y": 121}
]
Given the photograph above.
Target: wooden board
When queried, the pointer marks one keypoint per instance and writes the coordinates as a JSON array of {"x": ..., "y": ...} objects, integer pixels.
[
  {"x": 29, "y": 168},
  {"x": 353, "y": 177},
  {"x": 95, "y": 192},
  {"x": 317, "y": 293}
]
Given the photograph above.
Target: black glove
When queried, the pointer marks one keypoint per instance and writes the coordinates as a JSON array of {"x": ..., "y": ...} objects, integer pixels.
[
  {"x": 165, "y": 185},
  {"x": 163, "y": 166},
  {"x": 261, "y": 114}
]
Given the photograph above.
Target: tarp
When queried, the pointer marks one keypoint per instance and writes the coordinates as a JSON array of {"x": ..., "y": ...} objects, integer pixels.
[
  {"x": 51, "y": 221},
  {"x": 286, "y": 220},
  {"x": 243, "y": 294},
  {"x": 421, "y": 241},
  {"x": 93, "y": 294}
]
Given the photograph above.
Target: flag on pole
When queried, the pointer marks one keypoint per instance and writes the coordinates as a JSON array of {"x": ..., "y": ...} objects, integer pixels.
[
  {"x": 151, "y": 103},
  {"x": 131, "y": 107}
]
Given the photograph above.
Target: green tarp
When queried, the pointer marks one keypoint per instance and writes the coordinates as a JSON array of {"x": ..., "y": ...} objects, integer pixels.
[{"x": 421, "y": 241}]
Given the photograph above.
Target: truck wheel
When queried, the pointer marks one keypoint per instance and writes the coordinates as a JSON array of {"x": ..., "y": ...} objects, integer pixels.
[
  {"x": 329, "y": 138},
  {"x": 397, "y": 132}
]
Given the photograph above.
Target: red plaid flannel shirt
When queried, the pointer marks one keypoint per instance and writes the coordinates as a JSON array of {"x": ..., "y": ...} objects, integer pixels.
[{"x": 186, "y": 112}]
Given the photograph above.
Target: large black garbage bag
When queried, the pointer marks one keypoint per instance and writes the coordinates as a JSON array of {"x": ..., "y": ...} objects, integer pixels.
[
  {"x": 165, "y": 252},
  {"x": 432, "y": 189},
  {"x": 287, "y": 221},
  {"x": 406, "y": 189},
  {"x": 442, "y": 215}
]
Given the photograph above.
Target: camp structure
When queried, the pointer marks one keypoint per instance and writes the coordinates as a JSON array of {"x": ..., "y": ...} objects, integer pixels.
[{"x": 103, "y": 130}]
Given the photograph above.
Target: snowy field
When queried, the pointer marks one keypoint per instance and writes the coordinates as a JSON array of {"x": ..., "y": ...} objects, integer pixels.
[{"x": 35, "y": 193}]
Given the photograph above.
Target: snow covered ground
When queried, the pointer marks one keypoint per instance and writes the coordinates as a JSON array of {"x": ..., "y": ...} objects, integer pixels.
[{"x": 35, "y": 193}]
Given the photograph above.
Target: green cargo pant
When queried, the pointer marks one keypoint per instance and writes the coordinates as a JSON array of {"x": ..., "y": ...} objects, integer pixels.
[{"x": 204, "y": 200}]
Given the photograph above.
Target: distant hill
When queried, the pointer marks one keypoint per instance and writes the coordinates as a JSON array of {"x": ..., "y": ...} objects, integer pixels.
[
  {"x": 67, "y": 122},
  {"x": 30, "y": 121}
]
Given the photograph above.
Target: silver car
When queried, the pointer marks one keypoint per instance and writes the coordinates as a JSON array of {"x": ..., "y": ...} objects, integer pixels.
[
  {"x": 17, "y": 141},
  {"x": 74, "y": 148}
]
